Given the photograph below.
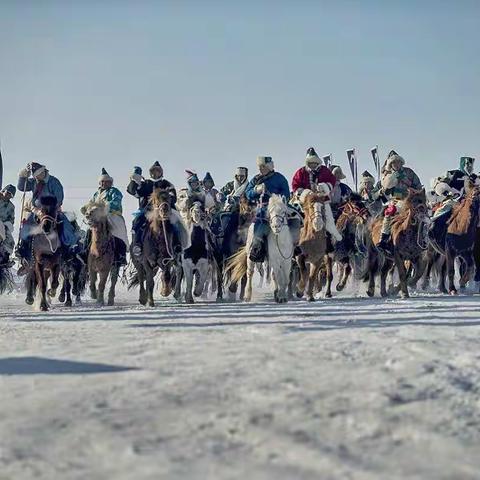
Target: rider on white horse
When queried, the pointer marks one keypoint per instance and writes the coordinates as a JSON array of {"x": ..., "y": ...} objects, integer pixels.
[
  {"x": 7, "y": 220},
  {"x": 113, "y": 198}
]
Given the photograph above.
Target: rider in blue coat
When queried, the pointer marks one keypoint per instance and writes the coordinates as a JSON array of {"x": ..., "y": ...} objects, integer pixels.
[
  {"x": 258, "y": 191},
  {"x": 36, "y": 178}
]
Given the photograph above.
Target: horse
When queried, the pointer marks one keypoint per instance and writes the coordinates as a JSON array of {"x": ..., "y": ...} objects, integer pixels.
[
  {"x": 196, "y": 258},
  {"x": 159, "y": 251},
  {"x": 74, "y": 273},
  {"x": 313, "y": 244},
  {"x": 407, "y": 239},
  {"x": 101, "y": 253},
  {"x": 46, "y": 253},
  {"x": 280, "y": 252},
  {"x": 460, "y": 237}
]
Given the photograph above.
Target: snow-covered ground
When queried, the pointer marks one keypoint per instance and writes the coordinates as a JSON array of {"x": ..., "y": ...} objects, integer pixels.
[{"x": 347, "y": 388}]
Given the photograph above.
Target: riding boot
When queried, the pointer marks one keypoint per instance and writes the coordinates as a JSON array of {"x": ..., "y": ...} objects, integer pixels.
[
  {"x": 330, "y": 225},
  {"x": 138, "y": 234},
  {"x": 120, "y": 252}
]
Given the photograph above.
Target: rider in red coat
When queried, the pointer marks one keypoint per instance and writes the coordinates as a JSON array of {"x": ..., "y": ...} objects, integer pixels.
[{"x": 317, "y": 178}]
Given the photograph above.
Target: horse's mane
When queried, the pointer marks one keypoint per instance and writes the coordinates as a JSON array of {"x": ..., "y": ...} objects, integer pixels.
[
  {"x": 307, "y": 233},
  {"x": 403, "y": 220},
  {"x": 353, "y": 207},
  {"x": 462, "y": 215},
  {"x": 276, "y": 200}
]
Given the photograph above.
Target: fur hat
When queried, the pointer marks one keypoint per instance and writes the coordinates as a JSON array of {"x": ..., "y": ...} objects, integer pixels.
[
  {"x": 37, "y": 168},
  {"x": 337, "y": 171},
  {"x": 366, "y": 179},
  {"x": 392, "y": 157},
  {"x": 191, "y": 176},
  {"x": 443, "y": 188},
  {"x": 156, "y": 165},
  {"x": 9, "y": 189},
  {"x": 312, "y": 156},
  {"x": 105, "y": 177},
  {"x": 265, "y": 161},
  {"x": 241, "y": 171},
  {"x": 208, "y": 177}
]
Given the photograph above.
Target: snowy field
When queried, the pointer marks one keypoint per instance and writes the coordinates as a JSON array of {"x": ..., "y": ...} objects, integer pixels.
[{"x": 347, "y": 388}]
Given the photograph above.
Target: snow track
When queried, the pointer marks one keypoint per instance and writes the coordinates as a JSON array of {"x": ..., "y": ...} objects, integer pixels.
[{"x": 347, "y": 388}]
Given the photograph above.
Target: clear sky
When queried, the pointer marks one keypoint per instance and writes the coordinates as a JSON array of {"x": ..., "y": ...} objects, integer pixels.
[{"x": 209, "y": 85}]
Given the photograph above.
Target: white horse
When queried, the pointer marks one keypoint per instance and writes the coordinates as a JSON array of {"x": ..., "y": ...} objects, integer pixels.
[{"x": 280, "y": 250}]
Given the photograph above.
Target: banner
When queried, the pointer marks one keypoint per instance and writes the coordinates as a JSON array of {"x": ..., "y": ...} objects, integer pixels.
[
  {"x": 376, "y": 161},
  {"x": 1, "y": 168},
  {"x": 352, "y": 161},
  {"x": 327, "y": 160}
]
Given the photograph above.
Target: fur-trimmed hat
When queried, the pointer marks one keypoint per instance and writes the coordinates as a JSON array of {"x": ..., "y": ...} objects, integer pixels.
[
  {"x": 366, "y": 179},
  {"x": 191, "y": 176},
  {"x": 9, "y": 189},
  {"x": 265, "y": 161},
  {"x": 105, "y": 177},
  {"x": 241, "y": 171},
  {"x": 208, "y": 177},
  {"x": 37, "y": 169},
  {"x": 337, "y": 171},
  {"x": 312, "y": 156},
  {"x": 156, "y": 165},
  {"x": 392, "y": 157}
]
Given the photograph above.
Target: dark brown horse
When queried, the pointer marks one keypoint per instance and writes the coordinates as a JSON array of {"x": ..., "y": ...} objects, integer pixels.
[
  {"x": 46, "y": 250},
  {"x": 101, "y": 254},
  {"x": 158, "y": 252},
  {"x": 408, "y": 240}
]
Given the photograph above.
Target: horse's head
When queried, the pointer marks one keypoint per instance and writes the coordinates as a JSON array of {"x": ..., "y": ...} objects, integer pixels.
[
  {"x": 312, "y": 203},
  {"x": 160, "y": 204},
  {"x": 417, "y": 202},
  {"x": 197, "y": 213},
  {"x": 232, "y": 204},
  {"x": 277, "y": 213},
  {"x": 47, "y": 213},
  {"x": 95, "y": 212}
]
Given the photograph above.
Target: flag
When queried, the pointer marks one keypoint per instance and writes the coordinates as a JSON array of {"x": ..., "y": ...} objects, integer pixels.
[
  {"x": 327, "y": 160},
  {"x": 376, "y": 160},
  {"x": 352, "y": 161},
  {"x": 1, "y": 169}
]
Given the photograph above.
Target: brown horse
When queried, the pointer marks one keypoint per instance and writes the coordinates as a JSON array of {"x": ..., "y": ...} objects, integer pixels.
[
  {"x": 46, "y": 250},
  {"x": 158, "y": 252},
  {"x": 407, "y": 239},
  {"x": 101, "y": 254},
  {"x": 313, "y": 243}
]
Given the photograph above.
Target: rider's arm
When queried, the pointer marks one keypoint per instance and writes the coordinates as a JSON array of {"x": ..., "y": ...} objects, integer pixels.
[
  {"x": 284, "y": 187},
  {"x": 116, "y": 201},
  {"x": 250, "y": 193}
]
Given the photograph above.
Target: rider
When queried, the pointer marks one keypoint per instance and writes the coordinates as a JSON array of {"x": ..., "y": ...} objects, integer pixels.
[
  {"x": 236, "y": 188},
  {"x": 396, "y": 180},
  {"x": 318, "y": 178},
  {"x": 341, "y": 192},
  {"x": 456, "y": 178},
  {"x": 113, "y": 198},
  {"x": 258, "y": 191},
  {"x": 142, "y": 188},
  {"x": 7, "y": 217},
  {"x": 42, "y": 184},
  {"x": 371, "y": 193},
  {"x": 212, "y": 195}
]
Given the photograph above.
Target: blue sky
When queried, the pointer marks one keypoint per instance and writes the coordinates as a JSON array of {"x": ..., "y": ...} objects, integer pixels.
[{"x": 211, "y": 85}]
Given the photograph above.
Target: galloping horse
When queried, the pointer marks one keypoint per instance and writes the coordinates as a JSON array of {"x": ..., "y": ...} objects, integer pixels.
[
  {"x": 158, "y": 251},
  {"x": 313, "y": 243},
  {"x": 407, "y": 239},
  {"x": 101, "y": 254},
  {"x": 46, "y": 250},
  {"x": 280, "y": 252}
]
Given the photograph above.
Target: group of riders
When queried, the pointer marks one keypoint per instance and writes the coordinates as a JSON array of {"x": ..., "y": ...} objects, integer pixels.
[{"x": 384, "y": 198}]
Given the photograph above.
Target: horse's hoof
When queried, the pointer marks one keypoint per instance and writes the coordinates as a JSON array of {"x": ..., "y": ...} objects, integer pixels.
[
  {"x": 142, "y": 301},
  {"x": 339, "y": 287},
  {"x": 93, "y": 295},
  {"x": 29, "y": 300},
  {"x": 328, "y": 295},
  {"x": 384, "y": 294},
  {"x": 44, "y": 308},
  {"x": 405, "y": 295},
  {"x": 370, "y": 292},
  {"x": 61, "y": 298},
  {"x": 299, "y": 294},
  {"x": 111, "y": 302},
  {"x": 68, "y": 303},
  {"x": 189, "y": 301},
  {"x": 100, "y": 303},
  {"x": 453, "y": 292},
  {"x": 311, "y": 299}
]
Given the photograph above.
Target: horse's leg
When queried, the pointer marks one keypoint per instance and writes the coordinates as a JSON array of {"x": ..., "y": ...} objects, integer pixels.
[
  {"x": 93, "y": 284},
  {"x": 31, "y": 285},
  {"x": 302, "y": 272},
  {"x": 451, "y": 271},
  {"x": 387, "y": 265},
  {"x": 220, "y": 280},
  {"x": 142, "y": 296},
  {"x": 114, "y": 272},
  {"x": 329, "y": 265},
  {"x": 402, "y": 274},
  {"x": 442, "y": 271},
  {"x": 419, "y": 269},
  {"x": 61, "y": 295},
  {"x": 103, "y": 277},
  {"x": 469, "y": 268},
  {"x": 42, "y": 286},
  {"x": 346, "y": 270},
  {"x": 243, "y": 284},
  {"x": 261, "y": 272},
  {"x": 178, "y": 281},
  {"x": 250, "y": 271},
  {"x": 312, "y": 276},
  {"x": 55, "y": 274},
  {"x": 430, "y": 260},
  {"x": 268, "y": 273},
  {"x": 149, "y": 284},
  {"x": 204, "y": 273},
  {"x": 188, "y": 272}
]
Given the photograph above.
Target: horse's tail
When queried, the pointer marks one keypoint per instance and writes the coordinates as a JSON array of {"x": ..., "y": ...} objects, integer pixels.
[
  {"x": 236, "y": 266},
  {"x": 6, "y": 280}
]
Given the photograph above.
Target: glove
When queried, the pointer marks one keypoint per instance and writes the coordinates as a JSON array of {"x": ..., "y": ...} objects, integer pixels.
[
  {"x": 324, "y": 188},
  {"x": 260, "y": 188},
  {"x": 24, "y": 172},
  {"x": 137, "y": 178}
]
